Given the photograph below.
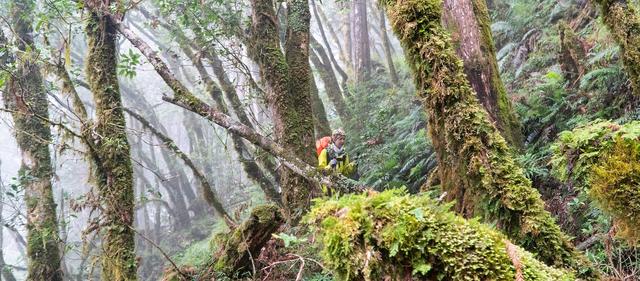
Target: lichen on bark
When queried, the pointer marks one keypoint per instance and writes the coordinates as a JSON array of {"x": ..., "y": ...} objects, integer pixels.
[
  {"x": 476, "y": 166},
  {"x": 113, "y": 172}
]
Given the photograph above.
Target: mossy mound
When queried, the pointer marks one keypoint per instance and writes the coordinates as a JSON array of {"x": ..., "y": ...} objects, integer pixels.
[
  {"x": 603, "y": 159},
  {"x": 372, "y": 236}
]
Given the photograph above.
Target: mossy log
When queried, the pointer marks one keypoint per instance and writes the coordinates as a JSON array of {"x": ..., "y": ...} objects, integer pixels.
[
  {"x": 395, "y": 236},
  {"x": 242, "y": 245},
  {"x": 476, "y": 166},
  {"x": 623, "y": 21}
]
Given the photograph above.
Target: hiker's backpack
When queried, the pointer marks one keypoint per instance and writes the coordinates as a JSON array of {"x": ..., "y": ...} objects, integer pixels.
[{"x": 322, "y": 143}]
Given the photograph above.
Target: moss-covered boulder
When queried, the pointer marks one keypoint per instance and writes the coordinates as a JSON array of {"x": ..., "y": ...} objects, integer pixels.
[
  {"x": 603, "y": 159},
  {"x": 373, "y": 236}
]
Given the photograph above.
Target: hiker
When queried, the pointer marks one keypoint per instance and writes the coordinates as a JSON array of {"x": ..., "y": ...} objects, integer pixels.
[{"x": 334, "y": 156}]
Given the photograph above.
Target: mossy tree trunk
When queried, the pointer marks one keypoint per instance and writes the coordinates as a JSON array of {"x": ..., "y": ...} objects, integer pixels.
[
  {"x": 571, "y": 54},
  {"x": 470, "y": 27},
  {"x": 624, "y": 23},
  {"x": 114, "y": 174},
  {"x": 287, "y": 79},
  {"x": 476, "y": 167},
  {"x": 27, "y": 99}
]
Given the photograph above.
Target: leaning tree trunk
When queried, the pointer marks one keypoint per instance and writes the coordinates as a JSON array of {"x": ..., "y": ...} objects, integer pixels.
[
  {"x": 114, "y": 174},
  {"x": 469, "y": 24},
  {"x": 320, "y": 59},
  {"x": 27, "y": 99},
  {"x": 361, "y": 47},
  {"x": 287, "y": 79},
  {"x": 624, "y": 23},
  {"x": 476, "y": 167},
  {"x": 386, "y": 44}
]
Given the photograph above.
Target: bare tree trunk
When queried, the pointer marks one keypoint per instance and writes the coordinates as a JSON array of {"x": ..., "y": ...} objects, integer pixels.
[
  {"x": 328, "y": 77},
  {"x": 27, "y": 99},
  {"x": 475, "y": 164},
  {"x": 348, "y": 39},
  {"x": 386, "y": 43},
  {"x": 320, "y": 122},
  {"x": 469, "y": 24},
  {"x": 327, "y": 44},
  {"x": 361, "y": 48},
  {"x": 114, "y": 175}
]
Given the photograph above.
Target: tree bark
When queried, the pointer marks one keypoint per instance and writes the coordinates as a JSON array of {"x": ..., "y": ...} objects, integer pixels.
[
  {"x": 27, "y": 99},
  {"x": 287, "y": 79},
  {"x": 327, "y": 44},
  {"x": 328, "y": 77},
  {"x": 114, "y": 176},
  {"x": 243, "y": 245},
  {"x": 475, "y": 164},
  {"x": 320, "y": 123},
  {"x": 622, "y": 19},
  {"x": 470, "y": 27},
  {"x": 361, "y": 48},
  {"x": 386, "y": 44}
]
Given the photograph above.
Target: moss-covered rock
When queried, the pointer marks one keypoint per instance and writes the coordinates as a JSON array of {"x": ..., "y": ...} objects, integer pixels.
[
  {"x": 372, "y": 236},
  {"x": 603, "y": 159}
]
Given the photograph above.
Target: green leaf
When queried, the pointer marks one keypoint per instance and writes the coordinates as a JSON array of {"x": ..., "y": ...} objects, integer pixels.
[{"x": 422, "y": 268}]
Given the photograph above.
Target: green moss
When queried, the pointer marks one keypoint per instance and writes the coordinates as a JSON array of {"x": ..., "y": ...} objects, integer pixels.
[
  {"x": 476, "y": 166},
  {"x": 287, "y": 78},
  {"x": 113, "y": 171},
  {"x": 26, "y": 97},
  {"x": 602, "y": 159},
  {"x": 623, "y": 20},
  {"x": 244, "y": 243},
  {"x": 392, "y": 234}
]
